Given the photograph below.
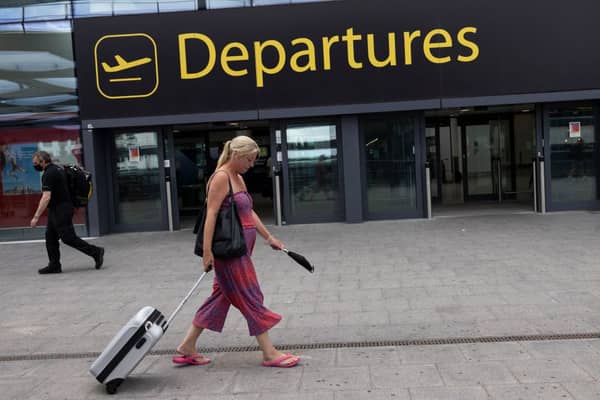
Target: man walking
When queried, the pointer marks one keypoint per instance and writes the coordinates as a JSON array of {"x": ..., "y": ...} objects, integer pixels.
[{"x": 56, "y": 197}]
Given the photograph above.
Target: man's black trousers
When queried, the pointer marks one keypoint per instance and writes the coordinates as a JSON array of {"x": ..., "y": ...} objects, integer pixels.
[{"x": 60, "y": 226}]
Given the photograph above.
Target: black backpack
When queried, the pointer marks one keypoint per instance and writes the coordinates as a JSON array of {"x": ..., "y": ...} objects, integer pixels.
[{"x": 80, "y": 184}]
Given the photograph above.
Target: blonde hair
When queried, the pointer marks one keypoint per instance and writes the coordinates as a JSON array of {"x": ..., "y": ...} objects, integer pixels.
[{"x": 243, "y": 145}]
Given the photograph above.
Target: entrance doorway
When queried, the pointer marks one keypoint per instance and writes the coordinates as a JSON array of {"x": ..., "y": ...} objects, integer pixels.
[
  {"x": 481, "y": 161},
  {"x": 196, "y": 151},
  {"x": 137, "y": 192}
]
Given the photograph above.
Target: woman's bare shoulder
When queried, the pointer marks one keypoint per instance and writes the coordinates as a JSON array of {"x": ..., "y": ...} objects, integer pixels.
[
  {"x": 219, "y": 179},
  {"x": 220, "y": 174}
]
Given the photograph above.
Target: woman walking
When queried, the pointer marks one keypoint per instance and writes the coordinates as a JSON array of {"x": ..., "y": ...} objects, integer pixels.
[{"x": 235, "y": 280}]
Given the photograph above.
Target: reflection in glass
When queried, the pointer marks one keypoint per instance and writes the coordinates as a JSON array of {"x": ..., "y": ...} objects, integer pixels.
[
  {"x": 432, "y": 160},
  {"x": 479, "y": 159},
  {"x": 524, "y": 150},
  {"x": 131, "y": 7},
  {"x": 8, "y": 86},
  {"x": 20, "y": 184},
  {"x": 48, "y": 11},
  {"x": 488, "y": 158},
  {"x": 227, "y": 3},
  {"x": 573, "y": 145},
  {"x": 451, "y": 167},
  {"x": 48, "y": 26},
  {"x": 137, "y": 179},
  {"x": 177, "y": 5},
  {"x": 16, "y": 27},
  {"x": 37, "y": 74},
  {"x": 390, "y": 165},
  {"x": 269, "y": 2},
  {"x": 96, "y": 8},
  {"x": 11, "y": 14},
  {"x": 190, "y": 170},
  {"x": 92, "y": 8},
  {"x": 313, "y": 171}
]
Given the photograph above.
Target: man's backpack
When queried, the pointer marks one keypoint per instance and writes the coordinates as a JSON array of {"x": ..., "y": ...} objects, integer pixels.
[{"x": 80, "y": 184}]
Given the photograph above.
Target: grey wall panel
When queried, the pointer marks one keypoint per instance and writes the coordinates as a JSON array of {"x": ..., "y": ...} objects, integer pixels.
[
  {"x": 351, "y": 167},
  {"x": 520, "y": 99}
]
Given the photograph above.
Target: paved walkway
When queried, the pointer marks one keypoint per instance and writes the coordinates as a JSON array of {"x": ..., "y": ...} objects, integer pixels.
[{"x": 392, "y": 280}]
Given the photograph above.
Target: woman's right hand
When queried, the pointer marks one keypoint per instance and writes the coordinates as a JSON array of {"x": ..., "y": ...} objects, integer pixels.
[{"x": 208, "y": 260}]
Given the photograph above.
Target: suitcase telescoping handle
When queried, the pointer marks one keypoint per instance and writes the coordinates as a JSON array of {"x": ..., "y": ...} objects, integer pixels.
[{"x": 187, "y": 297}]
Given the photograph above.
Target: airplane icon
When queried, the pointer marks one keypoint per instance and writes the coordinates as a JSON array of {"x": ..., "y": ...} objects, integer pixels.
[
  {"x": 123, "y": 65},
  {"x": 128, "y": 76}
]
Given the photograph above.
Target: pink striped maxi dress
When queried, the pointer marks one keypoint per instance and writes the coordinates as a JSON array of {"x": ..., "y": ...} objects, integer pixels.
[{"x": 236, "y": 283}]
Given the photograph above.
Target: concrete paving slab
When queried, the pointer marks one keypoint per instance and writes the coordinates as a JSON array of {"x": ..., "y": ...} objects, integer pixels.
[
  {"x": 430, "y": 354},
  {"x": 375, "y": 394},
  {"x": 449, "y": 393},
  {"x": 543, "y": 371},
  {"x": 17, "y": 388},
  {"x": 590, "y": 364},
  {"x": 494, "y": 351},
  {"x": 405, "y": 376},
  {"x": 267, "y": 380},
  {"x": 583, "y": 390},
  {"x": 476, "y": 373},
  {"x": 549, "y": 349},
  {"x": 355, "y": 357},
  {"x": 296, "y": 396},
  {"x": 541, "y": 391}
]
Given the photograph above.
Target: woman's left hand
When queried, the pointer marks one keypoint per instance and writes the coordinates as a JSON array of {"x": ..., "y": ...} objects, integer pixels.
[{"x": 275, "y": 243}]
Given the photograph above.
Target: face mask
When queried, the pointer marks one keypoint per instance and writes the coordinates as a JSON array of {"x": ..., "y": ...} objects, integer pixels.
[{"x": 38, "y": 167}]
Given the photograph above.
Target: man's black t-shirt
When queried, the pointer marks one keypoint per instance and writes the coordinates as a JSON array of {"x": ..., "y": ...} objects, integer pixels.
[{"x": 54, "y": 180}]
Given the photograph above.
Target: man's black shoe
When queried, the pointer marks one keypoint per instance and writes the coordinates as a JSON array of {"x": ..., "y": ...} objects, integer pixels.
[
  {"x": 49, "y": 270},
  {"x": 99, "y": 258}
]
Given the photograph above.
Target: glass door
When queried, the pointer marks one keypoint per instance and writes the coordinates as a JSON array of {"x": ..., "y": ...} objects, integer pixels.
[
  {"x": 433, "y": 160},
  {"x": 138, "y": 190},
  {"x": 488, "y": 161},
  {"x": 573, "y": 156},
  {"x": 390, "y": 166},
  {"x": 311, "y": 173}
]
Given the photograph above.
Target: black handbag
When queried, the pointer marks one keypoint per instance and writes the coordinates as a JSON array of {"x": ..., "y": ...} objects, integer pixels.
[{"x": 228, "y": 239}]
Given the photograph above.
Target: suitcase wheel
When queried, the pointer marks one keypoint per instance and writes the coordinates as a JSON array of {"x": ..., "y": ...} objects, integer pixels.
[{"x": 111, "y": 387}]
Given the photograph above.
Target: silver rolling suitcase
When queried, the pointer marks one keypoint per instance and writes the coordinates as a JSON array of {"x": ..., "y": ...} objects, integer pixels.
[{"x": 131, "y": 344}]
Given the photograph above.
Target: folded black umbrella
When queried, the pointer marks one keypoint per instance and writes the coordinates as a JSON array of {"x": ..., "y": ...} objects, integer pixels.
[{"x": 300, "y": 259}]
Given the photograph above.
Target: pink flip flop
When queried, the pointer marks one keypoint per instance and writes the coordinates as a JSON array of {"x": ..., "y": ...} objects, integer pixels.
[
  {"x": 279, "y": 362},
  {"x": 191, "y": 359}
]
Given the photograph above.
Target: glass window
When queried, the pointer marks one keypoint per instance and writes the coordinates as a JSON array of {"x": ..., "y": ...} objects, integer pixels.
[
  {"x": 92, "y": 8},
  {"x": 432, "y": 159},
  {"x": 37, "y": 90},
  {"x": 20, "y": 184},
  {"x": 138, "y": 196},
  {"x": 269, "y": 2},
  {"x": 11, "y": 28},
  {"x": 134, "y": 7},
  {"x": 48, "y": 26},
  {"x": 313, "y": 172},
  {"x": 227, "y": 3},
  {"x": 389, "y": 145},
  {"x": 37, "y": 74},
  {"x": 573, "y": 145},
  {"x": 177, "y": 5},
  {"x": 47, "y": 11},
  {"x": 11, "y": 14}
]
